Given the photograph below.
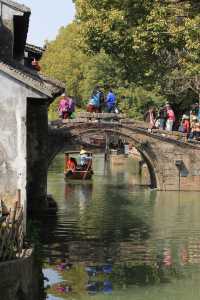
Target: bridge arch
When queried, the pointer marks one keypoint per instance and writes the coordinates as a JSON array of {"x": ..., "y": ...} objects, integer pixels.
[
  {"x": 173, "y": 163},
  {"x": 148, "y": 156},
  {"x": 154, "y": 179}
]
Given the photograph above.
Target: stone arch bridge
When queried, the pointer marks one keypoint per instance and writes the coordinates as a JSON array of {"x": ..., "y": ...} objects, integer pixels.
[{"x": 173, "y": 163}]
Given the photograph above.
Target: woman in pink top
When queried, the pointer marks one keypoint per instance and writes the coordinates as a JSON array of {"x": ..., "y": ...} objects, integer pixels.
[
  {"x": 66, "y": 107},
  {"x": 63, "y": 107},
  {"x": 170, "y": 118}
]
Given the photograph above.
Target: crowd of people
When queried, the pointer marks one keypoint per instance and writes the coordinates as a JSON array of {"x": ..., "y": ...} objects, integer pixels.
[
  {"x": 165, "y": 119},
  {"x": 98, "y": 103}
]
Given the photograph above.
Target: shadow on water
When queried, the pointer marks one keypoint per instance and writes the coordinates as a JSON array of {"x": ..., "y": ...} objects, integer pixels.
[{"x": 113, "y": 238}]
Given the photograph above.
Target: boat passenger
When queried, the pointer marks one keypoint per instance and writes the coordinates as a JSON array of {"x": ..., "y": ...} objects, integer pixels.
[
  {"x": 70, "y": 164},
  {"x": 66, "y": 162}
]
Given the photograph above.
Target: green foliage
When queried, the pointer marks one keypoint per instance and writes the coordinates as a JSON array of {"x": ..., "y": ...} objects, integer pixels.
[
  {"x": 64, "y": 61},
  {"x": 151, "y": 40},
  {"x": 136, "y": 100},
  {"x": 148, "y": 51}
]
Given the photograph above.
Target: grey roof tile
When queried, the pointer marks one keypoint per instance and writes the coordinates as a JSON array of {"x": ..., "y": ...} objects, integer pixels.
[
  {"x": 45, "y": 85},
  {"x": 17, "y": 6},
  {"x": 33, "y": 48}
]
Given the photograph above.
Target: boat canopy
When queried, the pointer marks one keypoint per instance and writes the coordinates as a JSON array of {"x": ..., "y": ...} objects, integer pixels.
[{"x": 78, "y": 152}]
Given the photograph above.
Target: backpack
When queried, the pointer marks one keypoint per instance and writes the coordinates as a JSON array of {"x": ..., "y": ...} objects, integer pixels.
[{"x": 96, "y": 100}]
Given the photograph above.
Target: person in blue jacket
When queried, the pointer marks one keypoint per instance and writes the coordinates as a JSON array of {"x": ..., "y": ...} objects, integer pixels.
[
  {"x": 110, "y": 101},
  {"x": 95, "y": 102}
]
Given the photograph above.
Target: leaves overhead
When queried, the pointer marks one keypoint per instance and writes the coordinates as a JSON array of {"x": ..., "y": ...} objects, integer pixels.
[{"x": 149, "y": 45}]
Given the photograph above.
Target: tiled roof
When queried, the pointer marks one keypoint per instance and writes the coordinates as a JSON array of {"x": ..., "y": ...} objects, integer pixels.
[
  {"x": 33, "y": 48},
  {"x": 49, "y": 87},
  {"x": 17, "y": 6}
]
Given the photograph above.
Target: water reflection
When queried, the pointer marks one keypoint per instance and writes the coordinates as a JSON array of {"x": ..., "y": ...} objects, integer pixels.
[{"x": 112, "y": 236}]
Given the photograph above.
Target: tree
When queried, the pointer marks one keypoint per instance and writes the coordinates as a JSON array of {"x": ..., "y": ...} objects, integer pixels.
[
  {"x": 64, "y": 60},
  {"x": 148, "y": 51},
  {"x": 152, "y": 40}
]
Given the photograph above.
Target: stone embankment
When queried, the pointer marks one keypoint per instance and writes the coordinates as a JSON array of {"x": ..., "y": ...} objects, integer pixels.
[
  {"x": 20, "y": 279},
  {"x": 20, "y": 276}
]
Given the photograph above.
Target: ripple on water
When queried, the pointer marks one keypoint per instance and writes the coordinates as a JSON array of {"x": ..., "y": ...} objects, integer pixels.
[{"x": 151, "y": 239}]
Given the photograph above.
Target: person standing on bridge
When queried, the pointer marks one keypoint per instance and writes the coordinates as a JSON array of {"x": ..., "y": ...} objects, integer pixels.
[
  {"x": 162, "y": 116},
  {"x": 95, "y": 101},
  {"x": 66, "y": 106},
  {"x": 150, "y": 117},
  {"x": 170, "y": 117},
  {"x": 111, "y": 101}
]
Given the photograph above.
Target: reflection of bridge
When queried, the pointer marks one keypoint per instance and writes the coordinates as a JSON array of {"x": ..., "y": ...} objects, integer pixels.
[{"x": 173, "y": 163}]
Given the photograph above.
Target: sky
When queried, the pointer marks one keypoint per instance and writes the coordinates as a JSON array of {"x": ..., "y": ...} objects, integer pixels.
[{"x": 47, "y": 16}]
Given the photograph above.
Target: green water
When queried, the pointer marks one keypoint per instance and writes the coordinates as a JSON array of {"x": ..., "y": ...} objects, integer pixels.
[{"x": 138, "y": 244}]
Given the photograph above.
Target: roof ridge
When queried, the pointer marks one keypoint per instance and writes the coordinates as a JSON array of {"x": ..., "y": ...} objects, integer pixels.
[
  {"x": 32, "y": 46},
  {"x": 16, "y": 5}
]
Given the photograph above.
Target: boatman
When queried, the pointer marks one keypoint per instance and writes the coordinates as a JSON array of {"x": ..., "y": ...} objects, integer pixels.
[{"x": 83, "y": 157}]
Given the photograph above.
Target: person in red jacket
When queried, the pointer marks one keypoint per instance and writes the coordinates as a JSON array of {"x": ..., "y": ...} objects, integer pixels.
[
  {"x": 186, "y": 124},
  {"x": 70, "y": 164},
  {"x": 170, "y": 117}
]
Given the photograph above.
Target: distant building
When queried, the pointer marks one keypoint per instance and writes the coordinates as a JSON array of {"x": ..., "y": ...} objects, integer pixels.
[{"x": 25, "y": 96}]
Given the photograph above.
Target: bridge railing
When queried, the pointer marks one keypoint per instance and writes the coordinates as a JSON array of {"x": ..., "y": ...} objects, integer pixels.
[
  {"x": 111, "y": 118},
  {"x": 171, "y": 134},
  {"x": 86, "y": 117},
  {"x": 102, "y": 116}
]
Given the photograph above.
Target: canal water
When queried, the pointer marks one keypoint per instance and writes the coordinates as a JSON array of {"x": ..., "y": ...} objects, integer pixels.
[{"x": 114, "y": 238}]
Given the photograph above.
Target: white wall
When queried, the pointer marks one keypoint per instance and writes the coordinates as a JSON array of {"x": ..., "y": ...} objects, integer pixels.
[{"x": 13, "y": 149}]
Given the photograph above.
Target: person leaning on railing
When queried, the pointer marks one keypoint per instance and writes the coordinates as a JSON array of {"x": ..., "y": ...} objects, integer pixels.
[{"x": 195, "y": 128}]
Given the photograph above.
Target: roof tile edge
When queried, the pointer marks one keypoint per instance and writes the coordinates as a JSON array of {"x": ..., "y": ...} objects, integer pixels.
[
  {"x": 44, "y": 85},
  {"x": 16, "y": 5}
]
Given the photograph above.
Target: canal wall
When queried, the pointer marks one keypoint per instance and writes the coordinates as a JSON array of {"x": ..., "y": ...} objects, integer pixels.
[{"x": 20, "y": 279}]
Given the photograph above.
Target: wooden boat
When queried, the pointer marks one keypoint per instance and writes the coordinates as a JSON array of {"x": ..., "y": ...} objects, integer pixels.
[{"x": 79, "y": 173}]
